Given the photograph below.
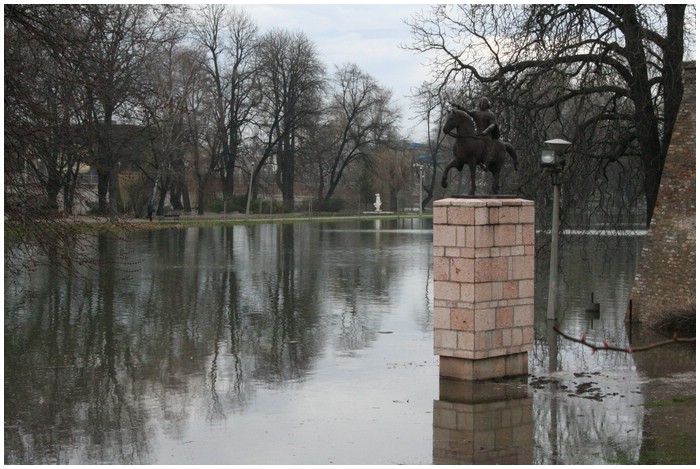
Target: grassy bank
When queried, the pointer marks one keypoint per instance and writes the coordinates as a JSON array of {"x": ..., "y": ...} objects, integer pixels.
[
  {"x": 669, "y": 436},
  {"x": 207, "y": 220}
]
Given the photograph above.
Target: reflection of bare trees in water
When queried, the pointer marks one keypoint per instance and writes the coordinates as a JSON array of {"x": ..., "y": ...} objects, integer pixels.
[
  {"x": 133, "y": 355},
  {"x": 606, "y": 265},
  {"x": 355, "y": 331},
  {"x": 71, "y": 375},
  {"x": 599, "y": 265},
  {"x": 582, "y": 412},
  {"x": 610, "y": 433},
  {"x": 361, "y": 289},
  {"x": 613, "y": 430},
  {"x": 283, "y": 337}
]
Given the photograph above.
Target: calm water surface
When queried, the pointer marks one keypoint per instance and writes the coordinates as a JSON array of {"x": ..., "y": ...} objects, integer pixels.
[{"x": 302, "y": 344}]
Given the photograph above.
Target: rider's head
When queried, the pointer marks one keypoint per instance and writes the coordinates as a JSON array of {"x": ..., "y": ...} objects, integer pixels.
[{"x": 484, "y": 103}]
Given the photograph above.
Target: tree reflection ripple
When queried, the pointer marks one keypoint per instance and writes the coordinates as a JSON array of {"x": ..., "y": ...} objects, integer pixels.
[{"x": 293, "y": 344}]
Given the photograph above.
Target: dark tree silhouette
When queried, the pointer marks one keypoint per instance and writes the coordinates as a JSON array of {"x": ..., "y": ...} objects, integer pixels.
[{"x": 618, "y": 62}]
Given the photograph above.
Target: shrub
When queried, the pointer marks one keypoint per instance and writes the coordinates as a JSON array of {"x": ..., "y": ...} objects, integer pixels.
[
  {"x": 235, "y": 204},
  {"x": 238, "y": 204},
  {"x": 677, "y": 320},
  {"x": 331, "y": 205}
]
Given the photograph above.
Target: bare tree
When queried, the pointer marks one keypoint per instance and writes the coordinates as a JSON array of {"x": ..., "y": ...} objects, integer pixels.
[
  {"x": 44, "y": 143},
  {"x": 229, "y": 37},
  {"x": 391, "y": 169},
  {"x": 622, "y": 61},
  {"x": 172, "y": 75},
  {"x": 42, "y": 103},
  {"x": 430, "y": 105},
  {"x": 72, "y": 71},
  {"x": 245, "y": 96},
  {"x": 290, "y": 77},
  {"x": 120, "y": 41},
  {"x": 360, "y": 116},
  {"x": 201, "y": 149}
]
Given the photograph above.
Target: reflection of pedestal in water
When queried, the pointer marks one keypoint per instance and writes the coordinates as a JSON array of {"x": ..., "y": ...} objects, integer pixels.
[
  {"x": 484, "y": 286},
  {"x": 483, "y": 423}
]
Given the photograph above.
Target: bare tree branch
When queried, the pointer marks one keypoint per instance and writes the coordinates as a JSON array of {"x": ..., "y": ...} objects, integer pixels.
[{"x": 613, "y": 348}]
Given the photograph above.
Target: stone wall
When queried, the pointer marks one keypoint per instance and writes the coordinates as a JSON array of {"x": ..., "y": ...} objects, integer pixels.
[{"x": 665, "y": 278}]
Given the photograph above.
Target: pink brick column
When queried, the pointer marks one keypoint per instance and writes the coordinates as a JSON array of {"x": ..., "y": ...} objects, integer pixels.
[{"x": 484, "y": 286}]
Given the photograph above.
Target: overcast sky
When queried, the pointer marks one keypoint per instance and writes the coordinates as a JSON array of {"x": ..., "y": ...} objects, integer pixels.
[{"x": 364, "y": 34}]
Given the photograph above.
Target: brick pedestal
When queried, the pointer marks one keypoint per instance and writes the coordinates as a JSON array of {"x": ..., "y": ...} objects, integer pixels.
[{"x": 484, "y": 286}]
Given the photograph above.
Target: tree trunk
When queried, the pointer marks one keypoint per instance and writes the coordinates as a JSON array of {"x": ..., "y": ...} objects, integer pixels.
[
  {"x": 201, "y": 200},
  {"x": 230, "y": 165},
  {"x": 176, "y": 196},
  {"x": 285, "y": 173},
  {"x": 161, "y": 202},
  {"x": 186, "y": 205},
  {"x": 321, "y": 181},
  {"x": 53, "y": 188},
  {"x": 227, "y": 180},
  {"x": 394, "y": 201},
  {"x": 102, "y": 190},
  {"x": 334, "y": 182},
  {"x": 672, "y": 72},
  {"x": 113, "y": 194}
]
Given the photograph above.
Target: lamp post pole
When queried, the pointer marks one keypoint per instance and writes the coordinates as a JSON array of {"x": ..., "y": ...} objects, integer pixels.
[
  {"x": 554, "y": 254},
  {"x": 420, "y": 187},
  {"x": 250, "y": 188},
  {"x": 551, "y": 160},
  {"x": 420, "y": 191}
]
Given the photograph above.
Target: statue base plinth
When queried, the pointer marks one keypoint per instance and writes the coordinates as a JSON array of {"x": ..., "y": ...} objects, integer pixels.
[
  {"x": 494, "y": 196},
  {"x": 483, "y": 286}
]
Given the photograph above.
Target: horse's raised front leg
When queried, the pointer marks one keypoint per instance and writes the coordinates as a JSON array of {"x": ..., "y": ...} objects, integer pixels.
[{"x": 452, "y": 164}]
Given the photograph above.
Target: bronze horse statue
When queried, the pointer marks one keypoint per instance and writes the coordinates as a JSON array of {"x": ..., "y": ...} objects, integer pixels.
[{"x": 472, "y": 149}]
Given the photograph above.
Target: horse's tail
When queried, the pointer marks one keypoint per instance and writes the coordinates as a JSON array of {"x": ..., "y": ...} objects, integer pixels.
[{"x": 513, "y": 154}]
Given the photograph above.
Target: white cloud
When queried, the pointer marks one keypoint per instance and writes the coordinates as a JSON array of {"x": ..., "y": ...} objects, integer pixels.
[{"x": 365, "y": 34}]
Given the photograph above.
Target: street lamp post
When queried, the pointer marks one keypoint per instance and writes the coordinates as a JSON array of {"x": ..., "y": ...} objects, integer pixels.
[
  {"x": 552, "y": 160},
  {"x": 420, "y": 187},
  {"x": 250, "y": 186}
]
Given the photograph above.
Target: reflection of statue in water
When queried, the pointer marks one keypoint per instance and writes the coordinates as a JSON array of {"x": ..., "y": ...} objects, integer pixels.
[{"x": 377, "y": 203}]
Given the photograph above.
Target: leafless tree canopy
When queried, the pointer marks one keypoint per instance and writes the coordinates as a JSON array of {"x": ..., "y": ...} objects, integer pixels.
[
  {"x": 179, "y": 99},
  {"x": 608, "y": 78}
]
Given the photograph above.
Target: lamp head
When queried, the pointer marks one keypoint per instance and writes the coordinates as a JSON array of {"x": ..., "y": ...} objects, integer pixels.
[
  {"x": 551, "y": 154},
  {"x": 548, "y": 158},
  {"x": 557, "y": 144}
]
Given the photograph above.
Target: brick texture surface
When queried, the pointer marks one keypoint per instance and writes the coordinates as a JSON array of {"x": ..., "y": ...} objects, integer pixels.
[
  {"x": 482, "y": 424},
  {"x": 484, "y": 258},
  {"x": 665, "y": 278}
]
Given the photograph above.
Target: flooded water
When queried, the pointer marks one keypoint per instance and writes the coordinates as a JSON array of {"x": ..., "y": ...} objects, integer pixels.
[{"x": 309, "y": 344}]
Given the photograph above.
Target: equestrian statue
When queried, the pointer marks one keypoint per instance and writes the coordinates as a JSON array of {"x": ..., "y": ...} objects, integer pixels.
[{"x": 477, "y": 142}]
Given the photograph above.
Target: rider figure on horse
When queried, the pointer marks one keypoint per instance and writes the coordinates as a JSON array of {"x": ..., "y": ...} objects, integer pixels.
[
  {"x": 477, "y": 142},
  {"x": 484, "y": 119}
]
